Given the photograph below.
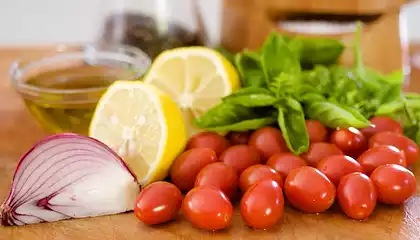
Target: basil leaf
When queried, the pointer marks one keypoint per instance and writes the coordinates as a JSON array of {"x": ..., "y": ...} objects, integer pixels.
[
  {"x": 368, "y": 78},
  {"x": 396, "y": 77},
  {"x": 335, "y": 115},
  {"x": 250, "y": 70},
  {"x": 291, "y": 120},
  {"x": 251, "y": 97},
  {"x": 389, "y": 108},
  {"x": 343, "y": 85},
  {"x": 313, "y": 51},
  {"x": 284, "y": 84},
  {"x": 245, "y": 125},
  {"x": 308, "y": 94},
  {"x": 389, "y": 93},
  {"x": 224, "y": 114},
  {"x": 277, "y": 58},
  {"x": 413, "y": 132}
]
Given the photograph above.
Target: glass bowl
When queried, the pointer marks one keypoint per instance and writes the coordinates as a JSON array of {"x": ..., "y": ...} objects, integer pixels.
[{"x": 61, "y": 89}]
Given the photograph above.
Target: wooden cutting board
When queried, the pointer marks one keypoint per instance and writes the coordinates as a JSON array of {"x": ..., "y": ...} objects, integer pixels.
[{"x": 18, "y": 131}]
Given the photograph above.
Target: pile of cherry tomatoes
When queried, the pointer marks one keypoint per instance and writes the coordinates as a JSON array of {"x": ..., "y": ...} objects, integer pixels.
[{"x": 358, "y": 168}]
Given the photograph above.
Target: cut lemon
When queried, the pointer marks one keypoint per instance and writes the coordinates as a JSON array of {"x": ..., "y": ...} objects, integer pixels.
[
  {"x": 143, "y": 125},
  {"x": 196, "y": 78}
]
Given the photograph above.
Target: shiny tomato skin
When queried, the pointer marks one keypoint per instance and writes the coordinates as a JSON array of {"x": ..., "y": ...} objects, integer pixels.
[
  {"x": 317, "y": 151},
  {"x": 309, "y": 190},
  {"x": 337, "y": 166},
  {"x": 220, "y": 176},
  {"x": 283, "y": 163},
  {"x": 262, "y": 205},
  {"x": 394, "y": 183},
  {"x": 257, "y": 173},
  {"x": 238, "y": 138},
  {"x": 208, "y": 140},
  {"x": 207, "y": 208},
  {"x": 381, "y": 155},
  {"x": 381, "y": 124},
  {"x": 356, "y": 195},
  {"x": 158, "y": 203},
  {"x": 403, "y": 143},
  {"x": 240, "y": 157},
  {"x": 317, "y": 132},
  {"x": 184, "y": 170},
  {"x": 268, "y": 141},
  {"x": 349, "y": 140}
]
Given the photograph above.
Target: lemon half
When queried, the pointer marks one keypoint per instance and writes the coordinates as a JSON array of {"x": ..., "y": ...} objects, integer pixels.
[
  {"x": 143, "y": 125},
  {"x": 196, "y": 78}
]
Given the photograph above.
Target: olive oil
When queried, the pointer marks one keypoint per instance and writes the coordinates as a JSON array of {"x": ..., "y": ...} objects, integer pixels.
[{"x": 69, "y": 96}]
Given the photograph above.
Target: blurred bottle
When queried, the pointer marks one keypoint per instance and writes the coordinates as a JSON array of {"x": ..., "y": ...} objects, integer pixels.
[{"x": 152, "y": 25}]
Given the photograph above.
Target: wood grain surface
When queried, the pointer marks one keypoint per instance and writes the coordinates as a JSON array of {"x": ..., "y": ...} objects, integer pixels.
[{"x": 18, "y": 131}]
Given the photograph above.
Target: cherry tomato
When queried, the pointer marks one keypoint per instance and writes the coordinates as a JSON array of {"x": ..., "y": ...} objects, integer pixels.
[
  {"x": 208, "y": 140},
  {"x": 257, "y": 173},
  {"x": 207, "y": 208},
  {"x": 350, "y": 140},
  {"x": 262, "y": 205},
  {"x": 184, "y": 170},
  {"x": 283, "y": 163},
  {"x": 381, "y": 155},
  {"x": 317, "y": 131},
  {"x": 356, "y": 195},
  {"x": 238, "y": 138},
  {"x": 318, "y": 151},
  {"x": 268, "y": 141},
  {"x": 381, "y": 124},
  {"x": 337, "y": 166},
  {"x": 157, "y": 203},
  {"x": 309, "y": 190},
  {"x": 394, "y": 183},
  {"x": 240, "y": 157},
  {"x": 403, "y": 143},
  {"x": 220, "y": 176}
]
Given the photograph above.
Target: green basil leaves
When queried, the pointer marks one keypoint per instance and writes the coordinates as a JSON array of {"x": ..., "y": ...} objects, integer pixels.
[{"x": 290, "y": 79}]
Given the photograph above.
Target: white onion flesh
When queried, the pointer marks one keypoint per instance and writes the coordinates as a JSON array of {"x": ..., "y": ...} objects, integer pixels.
[{"x": 68, "y": 176}]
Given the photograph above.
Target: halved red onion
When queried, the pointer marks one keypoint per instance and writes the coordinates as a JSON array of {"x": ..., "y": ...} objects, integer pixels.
[{"x": 68, "y": 176}]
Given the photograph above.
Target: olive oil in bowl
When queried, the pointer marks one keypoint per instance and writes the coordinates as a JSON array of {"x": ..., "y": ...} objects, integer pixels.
[{"x": 62, "y": 92}]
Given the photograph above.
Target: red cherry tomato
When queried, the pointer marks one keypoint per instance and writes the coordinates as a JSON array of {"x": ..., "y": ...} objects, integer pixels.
[
  {"x": 317, "y": 131},
  {"x": 337, "y": 166},
  {"x": 207, "y": 208},
  {"x": 240, "y": 157},
  {"x": 403, "y": 143},
  {"x": 184, "y": 170},
  {"x": 309, "y": 190},
  {"x": 356, "y": 195},
  {"x": 220, "y": 176},
  {"x": 350, "y": 140},
  {"x": 318, "y": 151},
  {"x": 268, "y": 141},
  {"x": 157, "y": 203},
  {"x": 394, "y": 183},
  {"x": 381, "y": 155},
  {"x": 208, "y": 140},
  {"x": 381, "y": 124},
  {"x": 238, "y": 138},
  {"x": 262, "y": 205},
  {"x": 256, "y": 174},
  {"x": 283, "y": 163}
]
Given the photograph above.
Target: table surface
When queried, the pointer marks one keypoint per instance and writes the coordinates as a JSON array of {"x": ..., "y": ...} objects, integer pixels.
[{"x": 18, "y": 131}]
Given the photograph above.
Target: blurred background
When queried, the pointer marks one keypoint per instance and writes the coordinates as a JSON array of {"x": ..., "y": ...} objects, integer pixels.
[{"x": 40, "y": 22}]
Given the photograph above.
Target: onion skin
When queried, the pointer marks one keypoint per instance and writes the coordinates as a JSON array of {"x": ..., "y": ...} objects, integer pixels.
[{"x": 67, "y": 176}]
